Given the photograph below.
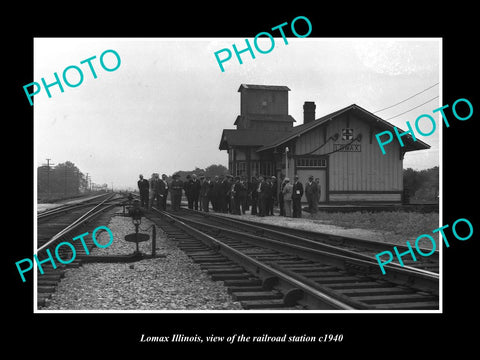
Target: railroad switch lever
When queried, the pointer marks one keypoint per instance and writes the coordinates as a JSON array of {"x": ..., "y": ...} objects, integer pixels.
[{"x": 136, "y": 213}]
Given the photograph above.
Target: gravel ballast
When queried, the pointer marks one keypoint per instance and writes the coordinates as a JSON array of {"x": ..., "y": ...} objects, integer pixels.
[{"x": 170, "y": 281}]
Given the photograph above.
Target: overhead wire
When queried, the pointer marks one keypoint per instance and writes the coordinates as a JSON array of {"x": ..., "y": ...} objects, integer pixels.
[
  {"x": 416, "y": 107},
  {"x": 388, "y": 107}
]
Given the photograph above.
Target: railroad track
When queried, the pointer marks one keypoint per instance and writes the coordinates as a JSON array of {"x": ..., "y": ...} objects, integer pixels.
[
  {"x": 280, "y": 271},
  {"x": 366, "y": 249},
  {"x": 62, "y": 224}
]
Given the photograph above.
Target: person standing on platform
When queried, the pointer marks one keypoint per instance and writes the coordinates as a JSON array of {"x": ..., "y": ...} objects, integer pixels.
[
  {"x": 200, "y": 197},
  {"x": 263, "y": 194},
  {"x": 154, "y": 190},
  {"x": 222, "y": 188},
  {"x": 317, "y": 180},
  {"x": 274, "y": 195},
  {"x": 297, "y": 193},
  {"x": 269, "y": 197},
  {"x": 280, "y": 198},
  {"x": 235, "y": 196},
  {"x": 227, "y": 187},
  {"x": 253, "y": 195},
  {"x": 206, "y": 192},
  {"x": 187, "y": 189},
  {"x": 176, "y": 187},
  {"x": 215, "y": 193},
  {"x": 194, "y": 191},
  {"x": 243, "y": 195},
  {"x": 287, "y": 197},
  {"x": 311, "y": 193},
  {"x": 164, "y": 189},
  {"x": 143, "y": 186}
]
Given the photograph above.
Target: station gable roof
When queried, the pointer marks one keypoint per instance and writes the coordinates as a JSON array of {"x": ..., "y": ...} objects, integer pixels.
[{"x": 365, "y": 115}]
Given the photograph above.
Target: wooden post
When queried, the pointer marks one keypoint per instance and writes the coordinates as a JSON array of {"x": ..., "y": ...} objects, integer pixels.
[{"x": 154, "y": 240}]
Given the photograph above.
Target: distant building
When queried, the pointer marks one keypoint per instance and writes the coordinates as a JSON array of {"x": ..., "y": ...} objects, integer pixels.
[{"x": 338, "y": 148}]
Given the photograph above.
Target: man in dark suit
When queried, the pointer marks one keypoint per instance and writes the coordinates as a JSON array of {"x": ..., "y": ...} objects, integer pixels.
[
  {"x": 176, "y": 187},
  {"x": 206, "y": 192},
  {"x": 194, "y": 191},
  {"x": 263, "y": 194},
  {"x": 253, "y": 194},
  {"x": 164, "y": 191},
  {"x": 243, "y": 195},
  {"x": 297, "y": 193},
  {"x": 188, "y": 192},
  {"x": 235, "y": 196},
  {"x": 143, "y": 186},
  {"x": 311, "y": 193},
  {"x": 226, "y": 190},
  {"x": 269, "y": 196}
]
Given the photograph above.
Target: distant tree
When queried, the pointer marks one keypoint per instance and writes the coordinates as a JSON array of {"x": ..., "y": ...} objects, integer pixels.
[
  {"x": 211, "y": 170},
  {"x": 64, "y": 178},
  {"x": 423, "y": 184},
  {"x": 214, "y": 170}
]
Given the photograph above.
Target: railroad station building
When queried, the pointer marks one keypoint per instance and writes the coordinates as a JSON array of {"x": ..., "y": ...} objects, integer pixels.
[{"x": 340, "y": 148}]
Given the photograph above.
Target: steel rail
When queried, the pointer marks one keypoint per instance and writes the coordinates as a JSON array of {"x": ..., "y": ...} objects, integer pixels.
[
  {"x": 335, "y": 256},
  {"x": 329, "y": 237},
  {"x": 244, "y": 259},
  {"x": 88, "y": 215},
  {"x": 65, "y": 207}
]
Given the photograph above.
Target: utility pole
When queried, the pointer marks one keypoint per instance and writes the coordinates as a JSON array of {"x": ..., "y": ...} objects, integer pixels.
[{"x": 48, "y": 176}]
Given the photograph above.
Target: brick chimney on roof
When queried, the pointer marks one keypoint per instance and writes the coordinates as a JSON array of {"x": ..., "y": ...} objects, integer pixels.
[{"x": 308, "y": 111}]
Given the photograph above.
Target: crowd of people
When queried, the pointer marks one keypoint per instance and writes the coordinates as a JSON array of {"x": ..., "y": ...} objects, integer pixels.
[{"x": 228, "y": 194}]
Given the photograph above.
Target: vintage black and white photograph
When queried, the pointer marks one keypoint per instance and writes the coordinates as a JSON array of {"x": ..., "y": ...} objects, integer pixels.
[{"x": 211, "y": 175}]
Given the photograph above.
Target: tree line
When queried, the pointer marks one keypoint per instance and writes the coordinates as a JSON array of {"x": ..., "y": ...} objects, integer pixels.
[
  {"x": 212, "y": 171},
  {"x": 64, "y": 179},
  {"x": 423, "y": 184}
]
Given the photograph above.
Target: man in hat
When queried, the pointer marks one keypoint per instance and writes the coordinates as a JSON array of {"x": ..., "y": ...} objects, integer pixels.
[
  {"x": 243, "y": 195},
  {"x": 154, "y": 190},
  {"x": 227, "y": 188},
  {"x": 297, "y": 193},
  {"x": 176, "y": 187},
  {"x": 311, "y": 193},
  {"x": 215, "y": 196},
  {"x": 274, "y": 194},
  {"x": 164, "y": 191},
  {"x": 194, "y": 191},
  {"x": 235, "y": 196},
  {"x": 268, "y": 196},
  {"x": 206, "y": 193},
  {"x": 188, "y": 192},
  {"x": 280, "y": 196},
  {"x": 253, "y": 194},
  {"x": 287, "y": 190},
  {"x": 143, "y": 186},
  {"x": 200, "y": 197},
  {"x": 263, "y": 194}
]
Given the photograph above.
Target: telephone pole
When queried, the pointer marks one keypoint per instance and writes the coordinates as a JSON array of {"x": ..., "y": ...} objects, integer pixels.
[{"x": 48, "y": 176}]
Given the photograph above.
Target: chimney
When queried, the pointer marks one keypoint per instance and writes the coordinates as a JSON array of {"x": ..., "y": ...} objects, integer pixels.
[{"x": 308, "y": 112}]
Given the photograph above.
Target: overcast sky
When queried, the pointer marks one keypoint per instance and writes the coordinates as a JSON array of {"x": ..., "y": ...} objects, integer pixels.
[{"x": 165, "y": 107}]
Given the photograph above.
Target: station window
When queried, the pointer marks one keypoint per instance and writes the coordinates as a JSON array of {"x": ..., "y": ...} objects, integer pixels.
[
  {"x": 264, "y": 168},
  {"x": 311, "y": 162},
  {"x": 241, "y": 168}
]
